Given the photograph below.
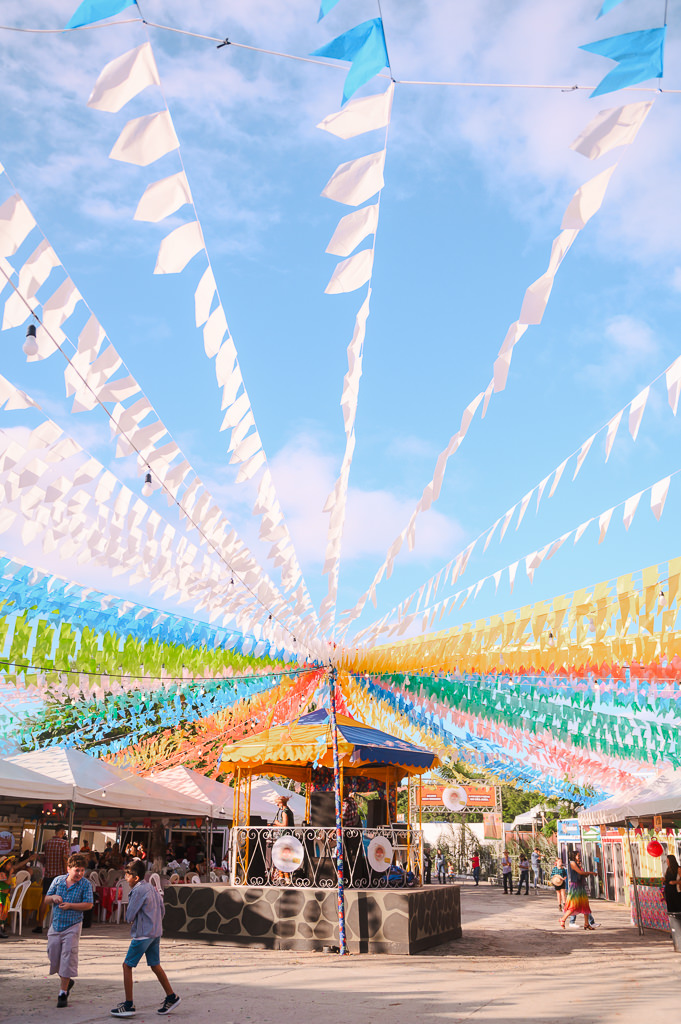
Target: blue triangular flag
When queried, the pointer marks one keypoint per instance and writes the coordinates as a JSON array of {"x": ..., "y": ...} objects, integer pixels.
[
  {"x": 364, "y": 45},
  {"x": 325, "y": 7},
  {"x": 97, "y": 10},
  {"x": 639, "y": 56},
  {"x": 607, "y": 6}
]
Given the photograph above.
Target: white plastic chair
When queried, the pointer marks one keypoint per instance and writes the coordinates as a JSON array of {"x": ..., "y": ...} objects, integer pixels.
[
  {"x": 21, "y": 876},
  {"x": 174, "y": 879},
  {"x": 122, "y": 897},
  {"x": 214, "y": 877},
  {"x": 94, "y": 879},
  {"x": 113, "y": 876},
  {"x": 155, "y": 881},
  {"x": 16, "y": 901},
  {"x": 196, "y": 880}
]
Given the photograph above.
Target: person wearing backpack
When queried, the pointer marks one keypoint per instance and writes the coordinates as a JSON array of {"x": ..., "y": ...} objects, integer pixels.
[{"x": 145, "y": 914}]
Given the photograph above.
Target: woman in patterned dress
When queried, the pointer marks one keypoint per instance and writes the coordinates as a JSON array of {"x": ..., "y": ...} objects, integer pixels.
[{"x": 578, "y": 898}]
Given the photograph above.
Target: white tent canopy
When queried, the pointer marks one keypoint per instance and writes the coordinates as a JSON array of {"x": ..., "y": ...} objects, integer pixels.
[
  {"x": 98, "y": 784},
  {"x": 23, "y": 784},
  {"x": 218, "y": 799},
  {"x": 661, "y": 796},
  {"x": 267, "y": 792}
]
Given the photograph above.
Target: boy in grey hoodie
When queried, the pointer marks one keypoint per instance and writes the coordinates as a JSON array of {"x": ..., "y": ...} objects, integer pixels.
[{"x": 145, "y": 913}]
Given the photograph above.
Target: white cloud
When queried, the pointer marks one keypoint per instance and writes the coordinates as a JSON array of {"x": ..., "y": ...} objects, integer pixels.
[
  {"x": 626, "y": 345},
  {"x": 304, "y": 476}
]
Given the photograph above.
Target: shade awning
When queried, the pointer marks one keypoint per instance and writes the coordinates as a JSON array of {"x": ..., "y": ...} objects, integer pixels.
[
  {"x": 97, "y": 784},
  {"x": 21, "y": 783},
  {"x": 661, "y": 796}
]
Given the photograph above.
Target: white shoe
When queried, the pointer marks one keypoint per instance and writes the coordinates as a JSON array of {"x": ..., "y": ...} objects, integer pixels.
[
  {"x": 575, "y": 925},
  {"x": 595, "y": 925}
]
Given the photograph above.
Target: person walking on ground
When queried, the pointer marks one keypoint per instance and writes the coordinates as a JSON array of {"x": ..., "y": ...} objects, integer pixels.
[
  {"x": 672, "y": 885},
  {"x": 537, "y": 873},
  {"x": 524, "y": 876},
  {"x": 56, "y": 854},
  {"x": 507, "y": 872},
  {"x": 440, "y": 867},
  {"x": 475, "y": 864},
  {"x": 70, "y": 895},
  {"x": 578, "y": 898},
  {"x": 427, "y": 867},
  {"x": 5, "y": 896},
  {"x": 558, "y": 879},
  {"x": 145, "y": 914}
]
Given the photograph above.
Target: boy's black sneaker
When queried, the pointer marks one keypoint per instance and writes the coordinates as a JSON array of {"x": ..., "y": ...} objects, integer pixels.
[
  {"x": 62, "y": 999},
  {"x": 123, "y": 1010},
  {"x": 169, "y": 1003}
]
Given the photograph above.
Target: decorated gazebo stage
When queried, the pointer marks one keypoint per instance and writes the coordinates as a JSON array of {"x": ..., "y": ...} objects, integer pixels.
[
  {"x": 370, "y": 761},
  {"x": 284, "y": 879}
]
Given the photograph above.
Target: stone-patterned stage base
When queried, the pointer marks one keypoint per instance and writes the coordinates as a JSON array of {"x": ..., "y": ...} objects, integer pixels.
[{"x": 376, "y": 921}]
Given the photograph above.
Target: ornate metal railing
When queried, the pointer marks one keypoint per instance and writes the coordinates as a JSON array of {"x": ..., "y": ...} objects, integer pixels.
[{"x": 373, "y": 858}]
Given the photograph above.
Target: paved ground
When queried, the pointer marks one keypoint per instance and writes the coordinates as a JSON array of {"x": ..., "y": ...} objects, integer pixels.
[{"x": 513, "y": 964}]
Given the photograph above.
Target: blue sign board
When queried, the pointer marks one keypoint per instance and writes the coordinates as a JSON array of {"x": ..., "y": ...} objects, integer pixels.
[{"x": 568, "y": 830}]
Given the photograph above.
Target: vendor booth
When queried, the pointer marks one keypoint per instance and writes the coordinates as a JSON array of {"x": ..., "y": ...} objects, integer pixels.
[
  {"x": 638, "y": 829},
  {"x": 284, "y": 893}
]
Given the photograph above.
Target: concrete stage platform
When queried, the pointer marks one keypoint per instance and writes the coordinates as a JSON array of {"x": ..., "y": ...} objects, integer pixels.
[{"x": 273, "y": 917}]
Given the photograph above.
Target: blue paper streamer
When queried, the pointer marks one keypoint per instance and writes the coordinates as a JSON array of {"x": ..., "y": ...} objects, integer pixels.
[
  {"x": 639, "y": 56},
  {"x": 363, "y": 45},
  {"x": 91, "y": 11}
]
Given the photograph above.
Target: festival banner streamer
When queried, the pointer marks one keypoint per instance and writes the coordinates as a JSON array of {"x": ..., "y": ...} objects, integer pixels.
[
  {"x": 364, "y": 46},
  {"x": 91, "y": 11},
  {"x": 488, "y": 722},
  {"x": 639, "y": 57},
  {"x": 583, "y": 205},
  {"x": 90, "y": 377},
  {"x": 456, "y": 565},
  {"x": 618, "y": 624},
  {"x": 59, "y": 510},
  {"x": 144, "y": 140},
  {"x": 358, "y": 117}
]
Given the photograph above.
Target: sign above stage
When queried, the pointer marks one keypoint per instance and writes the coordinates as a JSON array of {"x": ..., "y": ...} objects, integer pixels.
[{"x": 456, "y": 798}]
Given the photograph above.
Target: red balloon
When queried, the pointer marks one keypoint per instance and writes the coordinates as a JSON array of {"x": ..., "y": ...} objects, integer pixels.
[{"x": 654, "y": 848}]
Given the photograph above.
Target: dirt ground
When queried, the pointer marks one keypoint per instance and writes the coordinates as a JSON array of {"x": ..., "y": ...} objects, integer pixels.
[{"x": 513, "y": 964}]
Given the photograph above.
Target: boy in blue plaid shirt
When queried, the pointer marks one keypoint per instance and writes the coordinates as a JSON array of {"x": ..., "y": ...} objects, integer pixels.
[{"x": 70, "y": 895}]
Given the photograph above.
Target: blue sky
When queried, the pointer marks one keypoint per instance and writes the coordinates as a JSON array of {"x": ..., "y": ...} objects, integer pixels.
[{"x": 476, "y": 184}]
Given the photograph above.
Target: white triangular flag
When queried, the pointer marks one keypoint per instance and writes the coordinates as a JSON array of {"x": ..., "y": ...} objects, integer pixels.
[
  {"x": 583, "y": 452},
  {"x": 617, "y": 126},
  {"x": 658, "y": 496},
  {"x": 123, "y": 78},
  {"x": 673, "y": 377},
  {"x": 352, "y": 229},
  {"x": 540, "y": 490},
  {"x": 178, "y": 248},
  {"x": 557, "y": 476},
  {"x": 356, "y": 181},
  {"x": 587, "y": 200},
  {"x": 636, "y": 410},
  {"x": 512, "y": 569},
  {"x": 613, "y": 427},
  {"x": 630, "y": 506},
  {"x": 489, "y": 536},
  {"x": 604, "y": 523},
  {"x": 360, "y": 115},
  {"x": 203, "y": 296},
  {"x": 214, "y": 332},
  {"x": 146, "y": 139},
  {"x": 523, "y": 507},
  {"x": 163, "y": 197},
  {"x": 506, "y": 521},
  {"x": 16, "y": 221},
  {"x": 352, "y": 273},
  {"x": 579, "y": 532},
  {"x": 536, "y": 298}
]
